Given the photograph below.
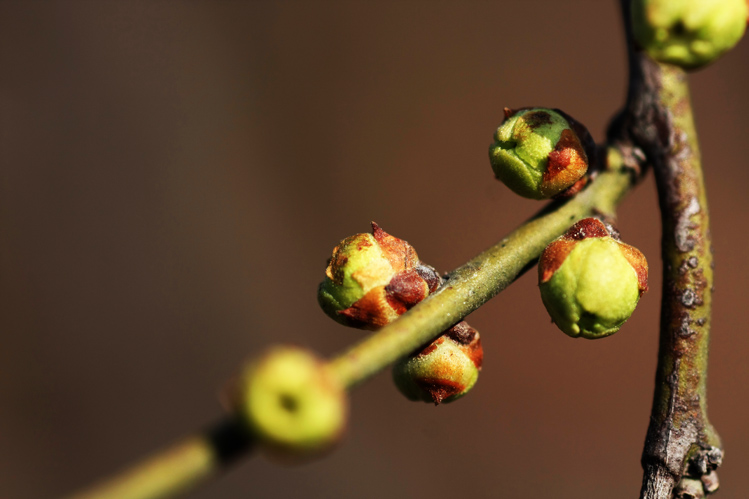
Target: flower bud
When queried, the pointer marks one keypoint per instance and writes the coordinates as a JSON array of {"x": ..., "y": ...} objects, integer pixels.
[
  {"x": 590, "y": 282},
  {"x": 443, "y": 371},
  {"x": 539, "y": 153},
  {"x": 371, "y": 279},
  {"x": 292, "y": 402},
  {"x": 688, "y": 33}
]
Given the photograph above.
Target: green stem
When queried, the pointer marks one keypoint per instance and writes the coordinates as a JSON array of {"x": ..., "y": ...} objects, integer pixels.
[
  {"x": 470, "y": 286},
  {"x": 178, "y": 468},
  {"x": 163, "y": 475},
  {"x": 196, "y": 459}
]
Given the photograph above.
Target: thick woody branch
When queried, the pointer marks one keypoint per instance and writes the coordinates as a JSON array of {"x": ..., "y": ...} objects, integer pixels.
[
  {"x": 681, "y": 445},
  {"x": 680, "y": 438}
]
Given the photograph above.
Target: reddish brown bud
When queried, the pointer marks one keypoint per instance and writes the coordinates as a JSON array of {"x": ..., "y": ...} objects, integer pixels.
[
  {"x": 444, "y": 370},
  {"x": 373, "y": 278}
]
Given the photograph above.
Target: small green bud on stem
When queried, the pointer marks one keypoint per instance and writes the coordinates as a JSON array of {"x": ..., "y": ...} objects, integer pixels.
[
  {"x": 292, "y": 402},
  {"x": 541, "y": 153},
  {"x": 590, "y": 282},
  {"x": 443, "y": 371},
  {"x": 688, "y": 33}
]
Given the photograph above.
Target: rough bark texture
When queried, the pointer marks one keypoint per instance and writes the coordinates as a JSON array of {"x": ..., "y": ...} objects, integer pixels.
[
  {"x": 681, "y": 446},
  {"x": 680, "y": 437}
]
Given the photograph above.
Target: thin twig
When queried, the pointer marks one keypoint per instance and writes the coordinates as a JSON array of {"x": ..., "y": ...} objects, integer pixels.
[
  {"x": 196, "y": 459},
  {"x": 470, "y": 286},
  {"x": 178, "y": 468}
]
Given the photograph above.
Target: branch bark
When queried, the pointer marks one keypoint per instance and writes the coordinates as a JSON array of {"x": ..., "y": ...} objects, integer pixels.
[{"x": 681, "y": 447}]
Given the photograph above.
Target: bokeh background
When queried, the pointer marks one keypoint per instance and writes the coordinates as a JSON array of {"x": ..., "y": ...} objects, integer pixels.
[{"x": 174, "y": 176}]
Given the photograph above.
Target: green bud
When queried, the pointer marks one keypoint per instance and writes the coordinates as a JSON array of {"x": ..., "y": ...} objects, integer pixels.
[
  {"x": 292, "y": 402},
  {"x": 539, "y": 153},
  {"x": 688, "y": 33},
  {"x": 372, "y": 279},
  {"x": 590, "y": 282},
  {"x": 443, "y": 371}
]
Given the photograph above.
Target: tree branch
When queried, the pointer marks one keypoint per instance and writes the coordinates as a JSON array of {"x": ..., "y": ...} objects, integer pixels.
[
  {"x": 178, "y": 468},
  {"x": 656, "y": 124},
  {"x": 679, "y": 427},
  {"x": 198, "y": 458},
  {"x": 470, "y": 286},
  {"x": 680, "y": 440}
]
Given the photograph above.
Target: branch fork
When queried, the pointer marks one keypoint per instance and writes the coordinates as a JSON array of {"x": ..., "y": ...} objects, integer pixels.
[{"x": 682, "y": 450}]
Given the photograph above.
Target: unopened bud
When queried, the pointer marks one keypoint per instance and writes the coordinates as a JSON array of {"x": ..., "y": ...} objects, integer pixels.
[
  {"x": 539, "y": 153},
  {"x": 590, "y": 282},
  {"x": 372, "y": 279},
  {"x": 292, "y": 402},
  {"x": 443, "y": 371},
  {"x": 688, "y": 33}
]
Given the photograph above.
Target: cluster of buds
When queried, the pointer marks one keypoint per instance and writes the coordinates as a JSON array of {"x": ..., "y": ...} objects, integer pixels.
[
  {"x": 371, "y": 280},
  {"x": 688, "y": 33},
  {"x": 590, "y": 281},
  {"x": 541, "y": 153}
]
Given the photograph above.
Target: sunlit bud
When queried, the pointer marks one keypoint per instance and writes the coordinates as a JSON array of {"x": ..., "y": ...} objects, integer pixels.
[
  {"x": 590, "y": 282},
  {"x": 539, "y": 153},
  {"x": 443, "y": 371},
  {"x": 688, "y": 33},
  {"x": 371, "y": 279}
]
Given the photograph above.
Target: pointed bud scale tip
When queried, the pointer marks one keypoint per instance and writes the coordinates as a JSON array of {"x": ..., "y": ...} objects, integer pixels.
[
  {"x": 688, "y": 33},
  {"x": 508, "y": 113},
  {"x": 590, "y": 281},
  {"x": 372, "y": 279},
  {"x": 539, "y": 153},
  {"x": 401, "y": 255},
  {"x": 443, "y": 371},
  {"x": 292, "y": 402}
]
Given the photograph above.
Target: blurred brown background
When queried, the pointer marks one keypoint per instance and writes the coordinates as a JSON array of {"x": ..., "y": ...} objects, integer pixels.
[{"x": 174, "y": 176}]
